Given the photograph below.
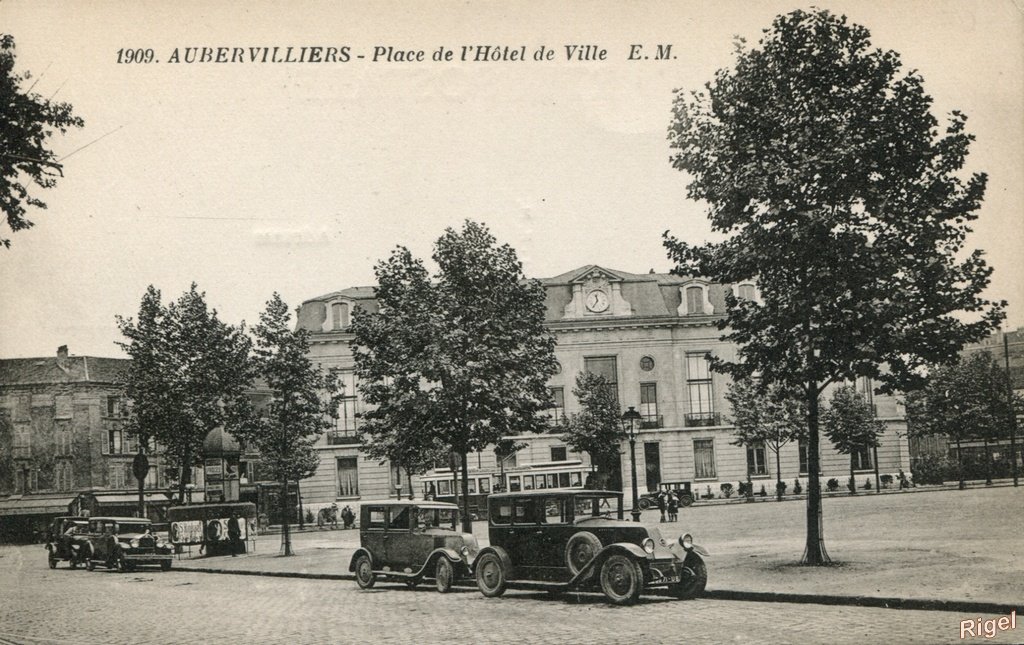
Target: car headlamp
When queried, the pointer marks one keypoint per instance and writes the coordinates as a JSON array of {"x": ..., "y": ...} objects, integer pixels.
[
  {"x": 686, "y": 541},
  {"x": 648, "y": 545},
  {"x": 465, "y": 550},
  {"x": 134, "y": 543}
]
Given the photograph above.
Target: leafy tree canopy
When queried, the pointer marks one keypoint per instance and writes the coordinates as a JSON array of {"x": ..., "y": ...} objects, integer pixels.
[
  {"x": 597, "y": 428},
  {"x": 27, "y": 122},
  {"x": 766, "y": 415},
  {"x": 820, "y": 161},
  {"x": 189, "y": 374},
  {"x": 850, "y": 422}
]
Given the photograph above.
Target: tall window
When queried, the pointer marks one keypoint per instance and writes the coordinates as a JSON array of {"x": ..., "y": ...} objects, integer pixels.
[
  {"x": 117, "y": 478},
  {"x": 604, "y": 366},
  {"x": 63, "y": 441},
  {"x": 649, "y": 405},
  {"x": 62, "y": 405},
  {"x": 557, "y": 404},
  {"x": 113, "y": 406},
  {"x": 558, "y": 453},
  {"x": 347, "y": 423},
  {"x": 802, "y": 449},
  {"x": 755, "y": 460},
  {"x": 862, "y": 459},
  {"x": 348, "y": 477},
  {"x": 64, "y": 476},
  {"x": 115, "y": 440},
  {"x": 698, "y": 384},
  {"x": 339, "y": 315},
  {"x": 694, "y": 300},
  {"x": 22, "y": 441},
  {"x": 704, "y": 458}
]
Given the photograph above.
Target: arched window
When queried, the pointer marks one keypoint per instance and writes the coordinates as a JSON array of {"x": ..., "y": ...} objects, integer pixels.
[
  {"x": 338, "y": 315},
  {"x": 694, "y": 299}
]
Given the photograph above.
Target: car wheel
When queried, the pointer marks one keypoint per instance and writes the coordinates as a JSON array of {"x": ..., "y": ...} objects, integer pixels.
[
  {"x": 644, "y": 503},
  {"x": 444, "y": 575},
  {"x": 686, "y": 500},
  {"x": 365, "y": 577},
  {"x": 692, "y": 586},
  {"x": 622, "y": 579},
  {"x": 580, "y": 550},
  {"x": 165, "y": 565},
  {"x": 490, "y": 575}
]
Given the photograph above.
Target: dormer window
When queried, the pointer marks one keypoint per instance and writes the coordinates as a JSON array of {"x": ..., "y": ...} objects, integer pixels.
[
  {"x": 694, "y": 299},
  {"x": 745, "y": 291},
  {"x": 338, "y": 315}
]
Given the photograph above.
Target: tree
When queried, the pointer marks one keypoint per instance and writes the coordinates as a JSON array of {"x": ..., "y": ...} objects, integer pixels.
[
  {"x": 962, "y": 402},
  {"x": 28, "y": 122},
  {"x": 850, "y": 424},
  {"x": 824, "y": 170},
  {"x": 597, "y": 428},
  {"x": 467, "y": 348},
  {"x": 765, "y": 416},
  {"x": 303, "y": 401},
  {"x": 189, "y": 374}
]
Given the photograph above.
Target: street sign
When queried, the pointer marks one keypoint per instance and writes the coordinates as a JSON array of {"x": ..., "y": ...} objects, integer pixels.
[{"x": 140, "y": 467}]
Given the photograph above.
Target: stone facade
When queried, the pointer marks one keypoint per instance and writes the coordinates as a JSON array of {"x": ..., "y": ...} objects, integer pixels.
[{"x": 648, "y": 333}]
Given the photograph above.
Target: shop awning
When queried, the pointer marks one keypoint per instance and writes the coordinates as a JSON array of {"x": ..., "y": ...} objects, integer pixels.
[
  {"x": 122, "y": 499},
  {"x": 35, "y": 505}
]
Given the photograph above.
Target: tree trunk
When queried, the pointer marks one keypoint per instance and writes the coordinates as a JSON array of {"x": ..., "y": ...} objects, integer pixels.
[
  {"x": 298, "y": 498},
  {"x": 467, "y": 520},
  {"x": 853, "y": 479},
  {"x": 750, "y": 485},
  {"x": 286, "y": 537},
  {"x": 186, "y": 474},
  {"x": 988, "y": 462},
  {"x": 408, "y": 478},
  {"x": 778, "y": 474},
  {"x": 960, "y": 465},
  {"x": 874, "y": 460},
  {"x": 814, "y": 550}
]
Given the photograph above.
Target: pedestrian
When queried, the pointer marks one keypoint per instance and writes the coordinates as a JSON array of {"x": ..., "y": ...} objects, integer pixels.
[
  {"x": 347, "y": 517},
  {"x": 673, "y": 508},
  {"x": 661, "y": 504},
  {"x": 234, "y": 534}
]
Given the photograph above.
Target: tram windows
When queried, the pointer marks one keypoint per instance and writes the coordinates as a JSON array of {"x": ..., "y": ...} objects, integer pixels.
[
  {"x": 576, "y": 480},
  {"x": 485, "y": 485},
  {"x": 527, "y": 482},
  {"x": 513, "y": 483}
]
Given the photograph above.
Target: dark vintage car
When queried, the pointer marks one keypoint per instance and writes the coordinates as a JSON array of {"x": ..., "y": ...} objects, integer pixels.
[
  {"x": 410, "y": 541},
  {"x": 578, "y": 540},
  {"x": 681, "y": 489},
  {"x": 124, "y": 543},
  {"x": 66, "y": 539}
]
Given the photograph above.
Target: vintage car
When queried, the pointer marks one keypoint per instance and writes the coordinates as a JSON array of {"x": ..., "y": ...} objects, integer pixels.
[
  {"x": 681, "y": 489},
  {"x": 411, "y": 541},
  {"x": 124, "y": 543},
  {"x": 577, "y": 540},
  {"x": 66, "y": 539}
]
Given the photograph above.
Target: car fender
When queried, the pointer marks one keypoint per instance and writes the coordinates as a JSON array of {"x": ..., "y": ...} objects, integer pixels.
[
  {"x": 624, "y": 548},
  {"x": 451, "y": 555},
  {"x": 506, "y": 561},
  {"x": 355, "y": 556}
]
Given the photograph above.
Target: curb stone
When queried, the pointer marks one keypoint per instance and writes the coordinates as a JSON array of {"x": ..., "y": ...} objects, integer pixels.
[{"x": 920, "y": 604}]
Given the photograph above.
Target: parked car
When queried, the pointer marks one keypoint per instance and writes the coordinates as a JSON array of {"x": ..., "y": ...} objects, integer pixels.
[
  {"x": 124, "y": 543},
  {"x": 412, "y": 541},
  {"x": 681, "y": 489},
  {"x": 578, "y": 540},
  {"x": 65, "y": 540}
]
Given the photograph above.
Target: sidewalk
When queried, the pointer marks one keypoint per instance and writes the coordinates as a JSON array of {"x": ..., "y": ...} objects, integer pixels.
[{"x": 956, "y": 550}]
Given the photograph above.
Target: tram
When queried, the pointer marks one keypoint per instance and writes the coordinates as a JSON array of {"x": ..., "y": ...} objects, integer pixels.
[{"x": 441, "y": 483}]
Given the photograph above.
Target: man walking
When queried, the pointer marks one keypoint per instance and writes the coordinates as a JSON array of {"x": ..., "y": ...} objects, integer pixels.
[{"x": 234, "y": 534}]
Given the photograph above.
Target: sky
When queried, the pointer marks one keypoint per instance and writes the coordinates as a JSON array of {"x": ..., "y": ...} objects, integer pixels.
[{"x": 251, "y": 178}]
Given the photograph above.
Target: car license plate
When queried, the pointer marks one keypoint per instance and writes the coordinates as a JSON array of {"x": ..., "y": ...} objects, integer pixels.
[{"x": 671, "y": 578}]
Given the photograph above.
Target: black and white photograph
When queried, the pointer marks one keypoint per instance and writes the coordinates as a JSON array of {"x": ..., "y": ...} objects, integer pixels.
[{"x": 512, "y": 322}]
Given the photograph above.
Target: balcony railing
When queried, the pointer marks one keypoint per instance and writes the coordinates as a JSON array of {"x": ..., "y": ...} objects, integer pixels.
[
  {"x": 652, "y": 423},
  {"x": 702, "y": 419},
  {"x": 342, "y": 438}
]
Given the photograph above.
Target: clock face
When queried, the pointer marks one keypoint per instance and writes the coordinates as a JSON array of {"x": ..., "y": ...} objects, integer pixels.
[{"x": 597, "y": 301}]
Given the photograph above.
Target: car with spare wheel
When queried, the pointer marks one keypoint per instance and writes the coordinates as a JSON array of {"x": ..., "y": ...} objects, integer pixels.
[
  {"x": 411, "y": 542},
  {"x": 579, "y": 541},
  {"x": 65, "y": 541},
  {"x": 123, "y": 543}
]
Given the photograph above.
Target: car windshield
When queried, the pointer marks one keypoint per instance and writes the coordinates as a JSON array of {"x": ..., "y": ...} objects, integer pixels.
[
  {"x": 125, "y": 528},
  {"x": 436, "y": 518},
  {"x": 597, "y": 506}
]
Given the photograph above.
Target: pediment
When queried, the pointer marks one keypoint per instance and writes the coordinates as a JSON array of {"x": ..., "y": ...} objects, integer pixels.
[{"x": 594, "y": 273}]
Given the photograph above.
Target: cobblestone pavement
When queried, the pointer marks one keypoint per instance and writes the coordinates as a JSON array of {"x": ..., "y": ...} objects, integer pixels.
[{"x": 40, "y": 605}]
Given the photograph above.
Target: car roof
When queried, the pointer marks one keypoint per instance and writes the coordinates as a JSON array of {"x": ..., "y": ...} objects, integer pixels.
[
  {"x": 550, "y": 492},
  {"x": 409, "y": 502},
  {"x": 134, "y": 520}
]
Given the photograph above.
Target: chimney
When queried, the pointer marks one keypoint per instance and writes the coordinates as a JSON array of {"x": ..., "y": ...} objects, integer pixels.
[{"x": 62, "y": 352}]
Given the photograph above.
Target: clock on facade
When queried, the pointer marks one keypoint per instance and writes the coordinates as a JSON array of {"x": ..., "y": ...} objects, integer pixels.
[{"x": 597, "y": 301}]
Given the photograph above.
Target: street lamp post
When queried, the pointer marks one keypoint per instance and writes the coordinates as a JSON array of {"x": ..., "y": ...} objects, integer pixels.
[{"x": 630, "y": 420}]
